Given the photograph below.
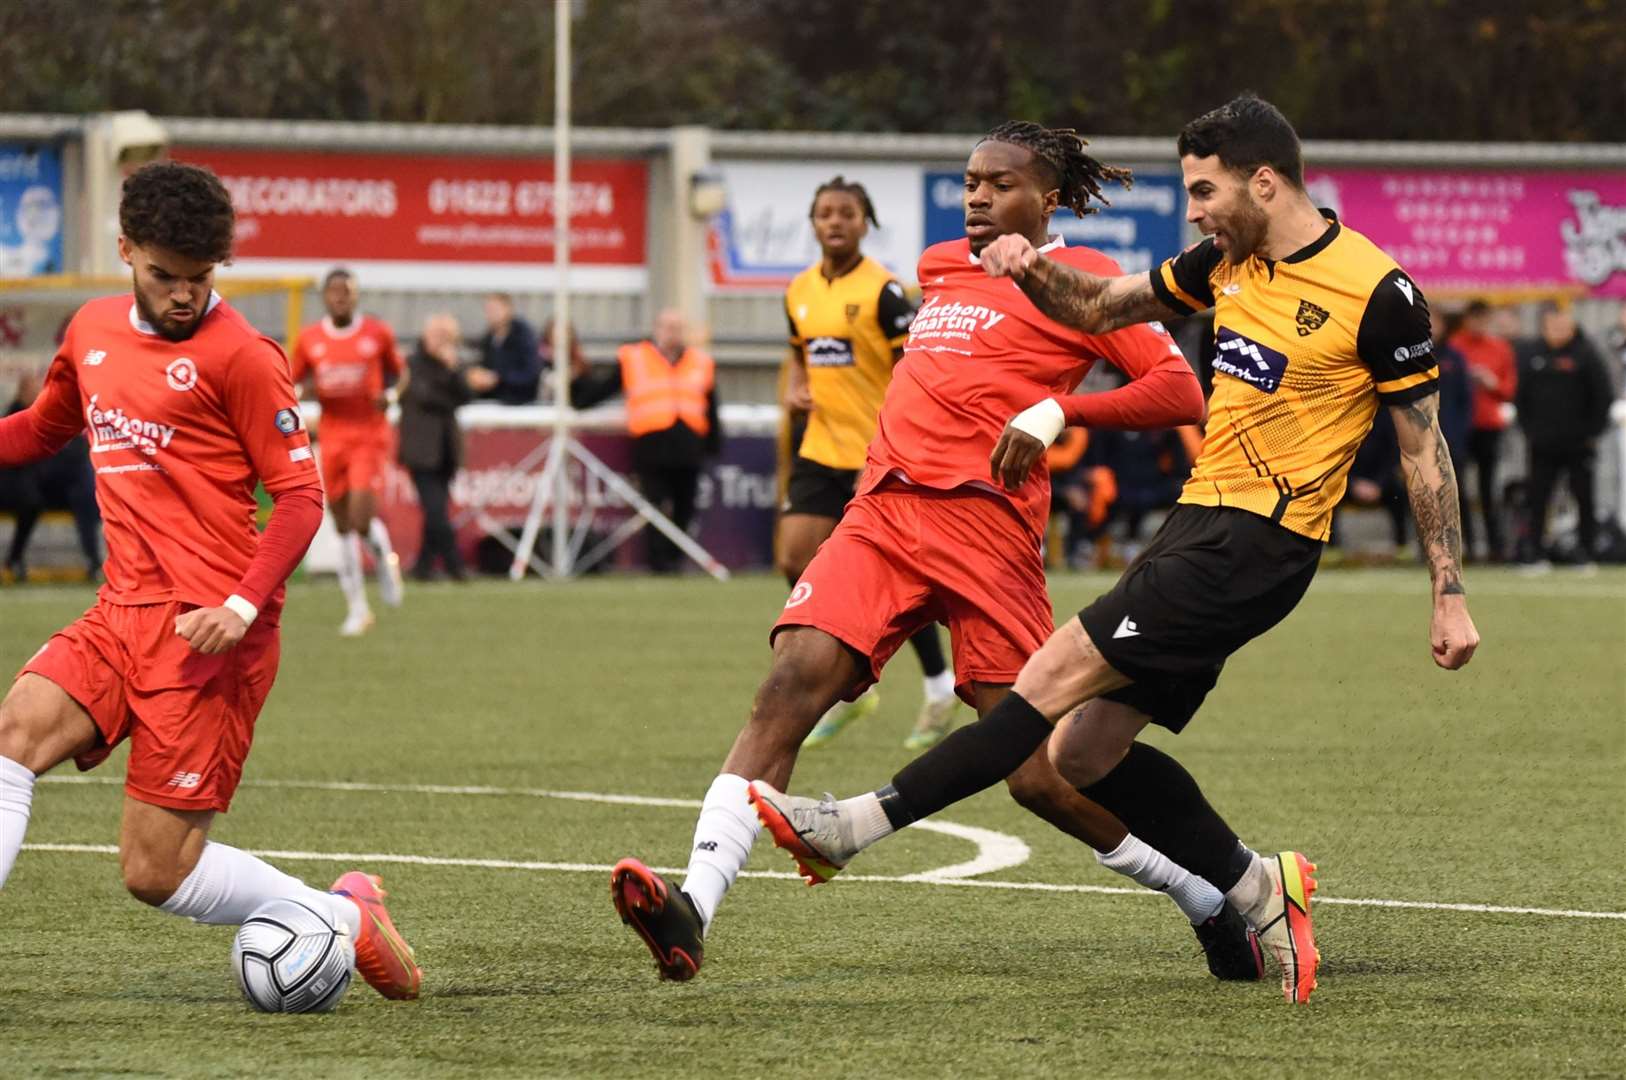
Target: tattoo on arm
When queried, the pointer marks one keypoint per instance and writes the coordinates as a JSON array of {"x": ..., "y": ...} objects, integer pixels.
[
  {"x": 1431, "y": 483},
  {"x": 1089, "y": 303}
]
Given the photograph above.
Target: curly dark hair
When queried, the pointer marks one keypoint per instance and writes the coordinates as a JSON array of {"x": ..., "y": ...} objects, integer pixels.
[
  {"x": 1077, "y": 175},
  {"x": 182, "y": 208},
  {"x": 1246, "y": 132},
  {"x": 846, "y": 187}
]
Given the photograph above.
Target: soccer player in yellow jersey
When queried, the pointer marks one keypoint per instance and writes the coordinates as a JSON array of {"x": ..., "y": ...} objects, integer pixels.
[
  {"x": 1316, "y": 329},
  {"x": 848, "y": 319}
]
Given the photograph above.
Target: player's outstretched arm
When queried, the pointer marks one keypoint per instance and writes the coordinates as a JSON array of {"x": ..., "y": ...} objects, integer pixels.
[
  {"x": 1071, "y": 296},
  {"x": 1431, "y": 482}
]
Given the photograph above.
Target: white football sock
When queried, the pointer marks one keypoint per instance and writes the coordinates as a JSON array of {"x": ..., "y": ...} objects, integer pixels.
[
  {"x": 869, "y": 818},
  {"x": 351, "y": 579},
  {"x": 378, "y": 534},
  {"x": 1251, "y": 894},
  {"x": 939, "y": 686},
  {"x": 228, "y": 884},
  {"x": 722, "y": 842},
  {"x": 1134, "y": 858},
  {"x": 16, "y": 796}
]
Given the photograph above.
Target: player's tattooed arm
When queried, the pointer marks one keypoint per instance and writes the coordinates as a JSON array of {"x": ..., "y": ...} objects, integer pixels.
[
  {"x": 1070, "y": 296},
  {"x": 1431, "y": 483},
  {"x": 1089, "y": 303}
]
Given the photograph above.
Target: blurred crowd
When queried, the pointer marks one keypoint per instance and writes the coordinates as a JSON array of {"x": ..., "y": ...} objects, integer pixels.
[{"x": 1524, "y": 416}]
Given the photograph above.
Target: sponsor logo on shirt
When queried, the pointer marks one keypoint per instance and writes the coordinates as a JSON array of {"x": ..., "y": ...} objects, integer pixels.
[
  {"x": 1260, "y": 366},
  {"x": 337, "y": 380},
  {"x": 829, "y": 352},
  {"x": 1412, "y": 352},
  {"x": 953, "y": 321},
  {"x": 182, "y": 374},
  {"x": 113, "y": 429}
]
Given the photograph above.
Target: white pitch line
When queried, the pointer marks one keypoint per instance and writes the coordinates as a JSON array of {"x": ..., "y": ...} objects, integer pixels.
[
  {"x": 386, "y": 858},
  {"x": 995, "y": 850}
]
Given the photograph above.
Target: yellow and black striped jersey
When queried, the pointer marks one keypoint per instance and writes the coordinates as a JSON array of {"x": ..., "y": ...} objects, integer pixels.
[
  {"x": 847, "y": 330},
  {"x": 1306, "y": 348}
]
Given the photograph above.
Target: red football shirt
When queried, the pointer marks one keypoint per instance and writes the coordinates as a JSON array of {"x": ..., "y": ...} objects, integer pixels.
[
  {"x": 350, "y": 366},
  {"x": 180, "y": 431},
  {"x": 978, "y": 353}
]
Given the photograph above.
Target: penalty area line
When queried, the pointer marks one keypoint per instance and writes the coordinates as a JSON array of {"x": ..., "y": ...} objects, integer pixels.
[{"x": 386, "y": 858}]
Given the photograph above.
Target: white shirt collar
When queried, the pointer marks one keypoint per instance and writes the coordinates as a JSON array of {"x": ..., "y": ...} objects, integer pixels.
[
  {"x": 1055, "y": 242},
  {"x": 142, "y": 326},
  {"x": 340, "y": 334}
]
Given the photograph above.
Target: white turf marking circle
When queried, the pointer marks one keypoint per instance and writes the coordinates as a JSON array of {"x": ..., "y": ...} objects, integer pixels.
[{"x": 987, "y": 848}]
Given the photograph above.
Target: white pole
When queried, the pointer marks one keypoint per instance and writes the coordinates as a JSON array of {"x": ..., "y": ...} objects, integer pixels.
[{"x": 561, "y": 269}]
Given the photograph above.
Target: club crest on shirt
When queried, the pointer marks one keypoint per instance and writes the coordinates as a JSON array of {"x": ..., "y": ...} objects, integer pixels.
[
  {"x": 1310, "y": 318},
  {"x": 852, "y": 312},
  {"x": 181, "y": 374}
]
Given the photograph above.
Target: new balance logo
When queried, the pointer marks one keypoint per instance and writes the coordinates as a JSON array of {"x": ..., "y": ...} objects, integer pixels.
[
  {"x": 94, "y": 357},
  {"x": 1126, "y": 628},
  {"x": 185, "y": 780}
]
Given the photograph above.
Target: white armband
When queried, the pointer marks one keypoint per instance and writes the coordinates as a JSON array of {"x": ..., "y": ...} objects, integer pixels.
[
  {"x": 1043, "y": 421},
  {"x": 241, "y": 608}
]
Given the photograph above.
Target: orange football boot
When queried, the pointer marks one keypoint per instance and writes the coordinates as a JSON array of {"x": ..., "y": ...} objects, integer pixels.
[{"x": 383, "y": 957}]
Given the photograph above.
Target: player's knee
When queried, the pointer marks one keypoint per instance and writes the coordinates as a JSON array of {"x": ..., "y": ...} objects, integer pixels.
[
  {"x": 1081, "y": 762},
  {"x": 1031, "y": 792},
  {"x": 790, "y": 565},
  {"x": 150, "y": 876}
]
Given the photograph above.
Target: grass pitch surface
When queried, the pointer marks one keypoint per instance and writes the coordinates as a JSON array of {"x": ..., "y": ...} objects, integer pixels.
[{"x": 1501, "y": 785}]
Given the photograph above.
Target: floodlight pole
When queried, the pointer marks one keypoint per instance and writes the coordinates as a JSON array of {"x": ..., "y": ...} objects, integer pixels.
[
  {"x": 561, "y": 297},
  {"x": 553, "y": 485}
]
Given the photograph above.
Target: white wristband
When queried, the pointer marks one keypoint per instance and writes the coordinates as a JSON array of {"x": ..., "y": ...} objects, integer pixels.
[
  {"x": 241, "y": 608},
  {"x": 1043, "y": 421}
]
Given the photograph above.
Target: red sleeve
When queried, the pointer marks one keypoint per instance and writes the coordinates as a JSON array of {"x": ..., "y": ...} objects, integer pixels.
[
  {"x": 46, "y": 426},
  {"x": 393, "y": 364},
  {"x": 260, "y": 402},
  {"x": 298, "y": 363},
  {"x": 1162, "y": 392}
]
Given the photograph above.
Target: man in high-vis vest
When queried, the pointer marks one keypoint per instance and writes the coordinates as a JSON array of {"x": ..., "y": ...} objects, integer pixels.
[{"x": 671, "y": 396}]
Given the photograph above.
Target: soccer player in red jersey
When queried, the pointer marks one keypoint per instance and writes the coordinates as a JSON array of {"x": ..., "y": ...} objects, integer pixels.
[
  {"x": 946, "y": 527},
  {"x": 187, "y": 407},
  {"x": 353, "y": 361}
]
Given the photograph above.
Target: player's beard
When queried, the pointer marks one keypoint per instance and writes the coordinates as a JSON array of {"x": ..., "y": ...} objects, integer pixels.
[
  {"x": 165, "y": 329},
  {"x": 1246, "y": 230}
]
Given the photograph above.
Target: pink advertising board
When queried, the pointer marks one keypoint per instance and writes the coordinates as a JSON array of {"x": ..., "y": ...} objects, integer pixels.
[{"x": 1489, "y": 230}]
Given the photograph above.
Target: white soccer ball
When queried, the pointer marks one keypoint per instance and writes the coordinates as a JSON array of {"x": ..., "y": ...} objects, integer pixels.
[{"x": 290, "y": 958}]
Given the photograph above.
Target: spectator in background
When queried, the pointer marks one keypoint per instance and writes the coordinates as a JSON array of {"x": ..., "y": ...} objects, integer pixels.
[
  {"x": 1495, "y": 379},
  {"x": 1563, "y": 401},
  {"x": 508, "y": 349},
  {"x": 1456, "y": 397},
  {"x": 64, "y": 480},
  {"x": 671, "y": 395},
  {"x": 432, "y": 442},
  {"x": 578, "y": 359}
]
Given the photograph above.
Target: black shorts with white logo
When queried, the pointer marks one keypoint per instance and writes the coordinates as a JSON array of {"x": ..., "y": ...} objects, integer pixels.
[
  {"x": 1212, "y": 579},
  {"x": 818, "y": 489}
]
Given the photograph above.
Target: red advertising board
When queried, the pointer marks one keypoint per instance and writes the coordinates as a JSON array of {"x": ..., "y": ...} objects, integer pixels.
[{"x": 429, "y": 211}]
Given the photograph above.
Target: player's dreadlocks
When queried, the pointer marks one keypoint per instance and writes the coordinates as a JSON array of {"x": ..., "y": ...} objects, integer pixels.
[
  {"x": 847, "y": 187},
  {"x": 182, "y": 208},
  {"x": 1078, "y": 176}
]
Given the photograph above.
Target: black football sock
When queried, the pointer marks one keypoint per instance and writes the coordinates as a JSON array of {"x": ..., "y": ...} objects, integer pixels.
[
  {"x": 929, "y": 647},
  {"x": 972, "y": 758},
  {"x": 1154, "y": 796}
]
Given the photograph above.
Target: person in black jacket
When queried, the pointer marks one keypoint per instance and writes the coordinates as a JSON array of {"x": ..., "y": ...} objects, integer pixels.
[
  {"x": 1563, "y": 406},
  {"x": 508, "y": 349},
  {"x": 64, "y": 480},
  {"x": 431, "y": 441}
]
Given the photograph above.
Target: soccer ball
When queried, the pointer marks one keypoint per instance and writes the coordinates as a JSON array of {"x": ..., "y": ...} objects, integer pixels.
[{"x": 290, "y": 958}]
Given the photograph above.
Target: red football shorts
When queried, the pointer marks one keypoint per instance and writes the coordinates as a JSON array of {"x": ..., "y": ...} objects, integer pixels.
[
  {"x": 353, "y": 456},
  {"x": 903, "y": 557},
  {"x": 189, "y": 717}
]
